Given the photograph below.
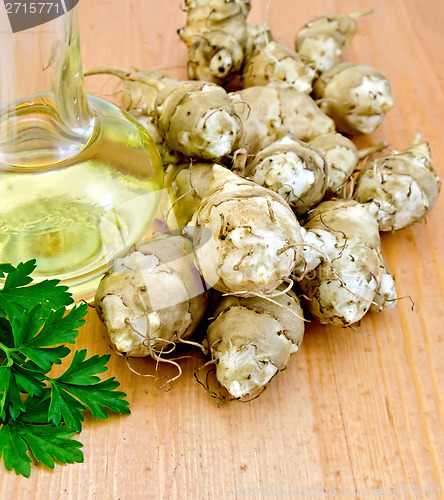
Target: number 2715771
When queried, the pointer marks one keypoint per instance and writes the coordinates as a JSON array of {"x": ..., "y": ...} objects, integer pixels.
[{"x": 32, "y": 8}]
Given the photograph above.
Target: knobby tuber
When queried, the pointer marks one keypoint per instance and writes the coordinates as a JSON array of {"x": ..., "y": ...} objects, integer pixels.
[
  {"x": 342, "y": 157},
  {"x": 403, "y": 186},
  {"x": 140, "y": 87},
  {"x": 355, "y": 96},
  {"x": 215, "y": 57},
  {"x": 255, "y": 237},
  {"x": 277, "y": 63},
  {"x": 293, "y": 162},
  {"x": 139, "y": 93},
  {"x": 152, "y": 298},
  {"x": 258, "y": 36},
  {"x": 252, "y": 339},
  {"x": 292, "y": 168},
  {"x": 270, "y": 113},
  {"x": 187, "y": 183},
  {"x": 197, "y": 119},
  {"x": 323, "y": 40},
  {"x": 215, "y": 34},
  {"x": 344, "y": 270}
]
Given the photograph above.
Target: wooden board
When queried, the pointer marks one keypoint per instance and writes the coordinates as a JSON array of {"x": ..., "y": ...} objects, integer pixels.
[{"x": 356, "y": 411}]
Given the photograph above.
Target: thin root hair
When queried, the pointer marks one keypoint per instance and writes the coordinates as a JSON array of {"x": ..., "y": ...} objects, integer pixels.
[
  {"x": 192, "y": 343},
  {"x": 245, "y": 104},
  {"x": 269, "y": 297},
  {"x": 192, "y": 190},
  {"x": 375, "y": 148},
  {"x": 289, "y": 189},
  {"x": 329, "y": 261},
  {"x": 267, "y": 8},
  {"x": 342, "y": 233},
  {"x": 355, "y": 329},
  {"x": 239, "y": 162},
  {"x": 401, "y": 298},
  {"x": 361, "y": 13},
  {"x": 252, "y": 398},
  {"x": 218, "y": 398},
  {"x": 155, "y": 354}
]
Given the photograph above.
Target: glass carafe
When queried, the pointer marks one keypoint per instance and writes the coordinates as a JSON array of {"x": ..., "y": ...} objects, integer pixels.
[{"x": 80, "y": 180}]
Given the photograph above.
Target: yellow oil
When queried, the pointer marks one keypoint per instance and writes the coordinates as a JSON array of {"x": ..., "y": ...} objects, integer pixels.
[{"x": 74, "y": 200}]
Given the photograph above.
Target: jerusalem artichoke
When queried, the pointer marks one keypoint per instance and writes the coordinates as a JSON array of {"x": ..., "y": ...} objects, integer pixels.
[
  {"x": 322, "y": 40},
  {"x": 357, "y": 97},
  {"x": 152, "y": 298},
  {"x": 403, "y": 186},
  {"x": 215, "y": 34},
  {"x": 251, "y": 339},
  {"x": 344, "y": 272},
  {"x": 276, "y": 63},
  {"x": 187, "y": 183},
  {"x": 255, "y": 237},
  {"x": 272, "y": 112},
  {"x": 197, "y": 119},
  {"x": 294, "y": 169}
]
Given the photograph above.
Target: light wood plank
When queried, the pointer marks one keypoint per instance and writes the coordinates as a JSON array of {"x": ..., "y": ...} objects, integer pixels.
[{"x": 354, "y": 410}]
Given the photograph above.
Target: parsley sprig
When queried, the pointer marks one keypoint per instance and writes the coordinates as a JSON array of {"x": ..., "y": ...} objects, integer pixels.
[{"x": 39, "y": 414}]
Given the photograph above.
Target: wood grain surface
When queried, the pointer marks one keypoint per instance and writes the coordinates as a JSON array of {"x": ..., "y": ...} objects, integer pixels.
[{"x": 356, "y": 412}]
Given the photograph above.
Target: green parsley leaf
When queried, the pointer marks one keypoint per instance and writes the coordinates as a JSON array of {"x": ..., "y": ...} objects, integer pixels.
[
  {"x": 37, "y": 329},
  {"x": 15, "y": 380},
  {"x": 5, "y": 331},
  {"x": 18, "y": 295},
  {"x": 28, "y": 380},
  {"x": 100, "y": 397},
  {"x": 79, "y": 387},
  {"x": 26, "y": 325},
  {"x": 38, "y": 414},
  {"x": 16, "y": 404},
  {"x": 5, "y": 378},
  {"x": 60, "y": 328},
  {"x": 82, "y": 371},
  {"x": 47, "y": 443},
  {"x": 37, "y": 408},
  {"x": 64, "y": 408},
  {"x": 14, "y": 450},
  {"x": 17, "y": 276}
]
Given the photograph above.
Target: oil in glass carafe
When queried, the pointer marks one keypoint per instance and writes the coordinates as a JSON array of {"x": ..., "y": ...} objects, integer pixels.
[{"x": 79, "y": 179}]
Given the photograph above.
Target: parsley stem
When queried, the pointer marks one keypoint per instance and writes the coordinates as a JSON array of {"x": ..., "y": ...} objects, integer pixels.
[{"x": 7, "y": 351}]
